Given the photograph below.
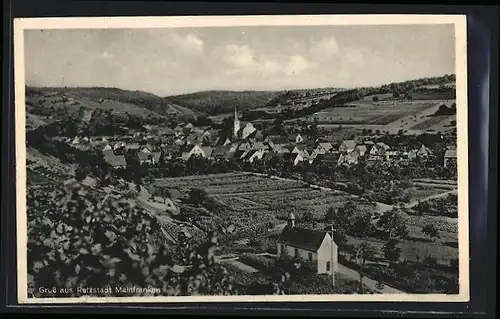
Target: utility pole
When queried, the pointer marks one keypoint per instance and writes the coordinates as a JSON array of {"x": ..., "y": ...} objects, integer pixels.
[{"x": 331, "y": 257}]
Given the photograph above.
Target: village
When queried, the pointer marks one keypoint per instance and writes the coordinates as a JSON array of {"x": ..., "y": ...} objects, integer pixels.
[{"x": 247, "y": 144}]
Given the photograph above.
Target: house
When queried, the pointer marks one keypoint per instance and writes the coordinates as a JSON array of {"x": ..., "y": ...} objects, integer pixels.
[
  {"x": 256, "y": 136},
  {"x": 276, "y": 139},
  {"x": 220, "y": 151},
  {"x": 149, "y": 158},
  {"x": 146, "y": 149},
  {"x": 99, "y": 139},
  {"x": 191, "y": 150},
  {"x": 347, "y": 146},
  {"x": 118, "y": 145},
  {"x": 330, "y": 158},
  {"x": 282, "y": 148},
  {"x": 194, "y": 138},
  {"x": 234, "y": 147},
  {"x": 301, "y": 149},
  {"x": 377, "y": 151},
  {"x": 360, "y": 149},
  {"x": 351, "y": 158},
  {"x": 260, "y": 146},
  {"x": 106, "y": 147},
  {"x": 326, "y": 146},
  {"x": 226, "y": 142},
  {"x": 237, "y": 155},
  {"x": 321, "y": 148},
  {"x": 269, "y": 156},
  {"x": 85, "y": 139},
  {"x": 294, "y": 158},
  {"x": 207, "y": 151},
  {"x": 450, "y": 157},
  {"x": 392, "y": 155},
  {"x": 179, "y": 141},
  {"x": 253, "y": 155},
  {"x": 75, "y": 140},
  {"x": 116, "y": 161},
  {"x": 245, "y": 146},
  {"x": 424, "y": 152},
  {"x": 247, "y": 130},
  {"x": 171, "y": 151},
  {"x": 166, "y": 131},
  {"x": 295, "y": 138},
  {"x": 107, "y": 152},
  {"x": 412, "y": 155},
  {"x": 132, "y": 147},
  {"x": 382, "y": 147},
  {"x": 317, "y": 248}
]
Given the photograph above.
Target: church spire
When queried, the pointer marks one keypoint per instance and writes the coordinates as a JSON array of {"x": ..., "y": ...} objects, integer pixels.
[{"x": 236, "y": 123}]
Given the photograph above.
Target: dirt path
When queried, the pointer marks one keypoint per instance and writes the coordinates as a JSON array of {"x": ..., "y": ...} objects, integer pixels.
[
  {"x": 440, "y": 195},
  {"x": 256, "y": 192},
  {"x": 372, "y": 284}
]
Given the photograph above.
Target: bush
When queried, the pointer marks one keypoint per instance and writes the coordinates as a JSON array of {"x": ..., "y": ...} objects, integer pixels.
[{"x": 78, "y": 239}]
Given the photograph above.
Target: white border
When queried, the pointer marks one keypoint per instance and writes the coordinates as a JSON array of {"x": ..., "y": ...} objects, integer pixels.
[{"x": 459, "y": 22}]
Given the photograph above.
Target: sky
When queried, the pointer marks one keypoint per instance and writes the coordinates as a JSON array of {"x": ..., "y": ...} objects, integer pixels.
[{"x": 169, "y": 61}]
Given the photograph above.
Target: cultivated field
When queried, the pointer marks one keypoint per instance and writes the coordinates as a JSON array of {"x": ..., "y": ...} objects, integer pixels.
[
  {"x": 262, "y": 200},
  {"x": 370, "y": 113},
  {"x": 250, "y": 193}
]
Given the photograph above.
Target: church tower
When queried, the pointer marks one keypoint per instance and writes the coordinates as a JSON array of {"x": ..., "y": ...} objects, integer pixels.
[{"x": 236, "y": 123}]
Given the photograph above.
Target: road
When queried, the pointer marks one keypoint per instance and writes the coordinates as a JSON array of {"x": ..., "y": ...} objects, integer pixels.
[
  {"x": 370, "y": 283},
  {"x": 233, "y": 259}
]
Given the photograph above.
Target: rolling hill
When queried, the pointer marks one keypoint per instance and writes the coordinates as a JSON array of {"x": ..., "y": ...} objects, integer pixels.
[
  {"x": 48, "y": 100},
  {"x": 217, "y": 102}
]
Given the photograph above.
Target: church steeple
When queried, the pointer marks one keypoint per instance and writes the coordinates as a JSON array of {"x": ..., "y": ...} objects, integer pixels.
[{"x": 236, "y": 123}]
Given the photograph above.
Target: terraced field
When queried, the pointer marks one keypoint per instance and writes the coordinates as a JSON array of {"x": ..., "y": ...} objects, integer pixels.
[
  {"x": 245, "y": 192},
  {"x": 230, "y": 183}
]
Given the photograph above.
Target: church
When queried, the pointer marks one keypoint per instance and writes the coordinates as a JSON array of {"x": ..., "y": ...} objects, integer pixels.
[
  {"x": 241, "y": 133},
  {"x": 315, "y": 247}
]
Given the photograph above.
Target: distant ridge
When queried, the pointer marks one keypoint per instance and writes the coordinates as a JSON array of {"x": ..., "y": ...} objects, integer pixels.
[{"x": 136, "y": 102}]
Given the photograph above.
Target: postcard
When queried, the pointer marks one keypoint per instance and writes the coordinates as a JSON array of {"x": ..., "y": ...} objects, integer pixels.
[{"x": 241, "y": 158}]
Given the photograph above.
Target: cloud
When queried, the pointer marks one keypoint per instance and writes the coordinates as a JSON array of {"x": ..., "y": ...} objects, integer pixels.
[
  {"x": 189, "y": 44},
  {"x": 269, "y": 67},
  {"x": 297, "y": 64},
  {"x": 245, "y": 61},
  {"x": 237, "y": 56},
  {"x": 323, "y": 50}
]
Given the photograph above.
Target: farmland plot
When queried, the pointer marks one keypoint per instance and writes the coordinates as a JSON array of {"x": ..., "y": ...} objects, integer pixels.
[
  {"x": 372, "y": 114},
  {"x": 245, "y": 192},
  {"x": 430, "y": 122}
]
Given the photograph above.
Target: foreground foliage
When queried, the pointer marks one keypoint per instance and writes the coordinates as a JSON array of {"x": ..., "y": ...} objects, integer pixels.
[{"x": 79, "y": 239}]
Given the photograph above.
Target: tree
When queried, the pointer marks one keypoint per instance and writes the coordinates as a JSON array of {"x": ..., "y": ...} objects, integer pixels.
[
  {"x": 364, "y": 252},
  {"x": 391, "y": 251},
  {"x": 112, "y": 243},
  {"x": 375, "y": 99},
  {"x": 81, "y": 173},
  {"x": 393, "y": 224},
  {"x": 307, "y": 217},
  {"x": 431, "y": 231},
  {"x": 361, "y": 224},
  {"x": 197, "y": 196}
]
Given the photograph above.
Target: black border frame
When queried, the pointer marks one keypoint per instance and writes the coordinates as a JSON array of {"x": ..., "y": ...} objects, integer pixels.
[{"x": 482, "y": 33}]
